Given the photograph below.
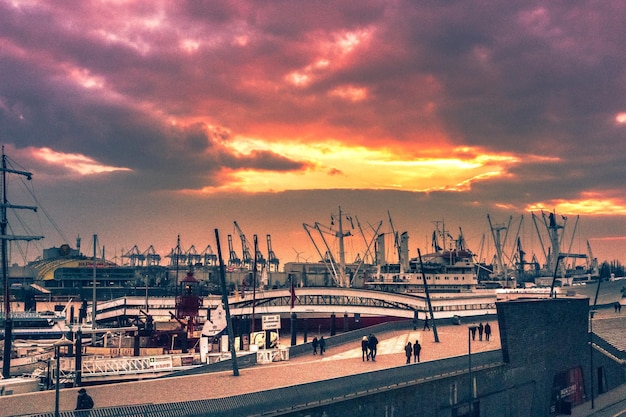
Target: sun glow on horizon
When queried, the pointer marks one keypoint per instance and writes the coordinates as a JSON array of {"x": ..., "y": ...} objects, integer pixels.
[
  {"x": 334, "y": 165},
  {"x": 593, "y": 204}
]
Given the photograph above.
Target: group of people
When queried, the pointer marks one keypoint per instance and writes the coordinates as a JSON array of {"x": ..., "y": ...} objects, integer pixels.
[
  {"x": 369, "y": 345},
  {"x": 486, "y": 330},
  {"x": 413, "y": 350},
  {"x": 319, "y": 343}
]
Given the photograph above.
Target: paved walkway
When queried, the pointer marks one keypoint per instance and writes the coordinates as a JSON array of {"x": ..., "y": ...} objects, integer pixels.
[
  {"x": 609, "y": 404},
  {"x": 336, "y": 362}
]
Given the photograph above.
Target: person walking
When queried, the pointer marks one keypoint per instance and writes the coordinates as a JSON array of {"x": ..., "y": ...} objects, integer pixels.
[
  {"x": 417, "y": 349},
  {"x": 84, "y": 401},
  {"x": 426, "y": 324},
  {"x": 364, "y": 349},
  {"x": 473, "y": 331},
  {"x": 487, "y": 331},
  {"x": 480, "y": 331},
  {"x": 322, "y": 345},
  {"x": 372, "y": 343},
  {"x": 315, "y": 343},
  {"x": 408, "y": 349}
]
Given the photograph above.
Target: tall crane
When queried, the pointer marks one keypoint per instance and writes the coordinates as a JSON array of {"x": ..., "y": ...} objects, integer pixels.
[
  {"x": 208, "y": 256},
  {"x": 258, "y": 255},
  {"x": 245, "y": 248},
  {"x": 271, "y": 256},
  {"x": 233, "y": 259},
  {"x": 152, "y": 258},
  {"x": 135, "y": 256},
  {"x": 193, "y": 258}
]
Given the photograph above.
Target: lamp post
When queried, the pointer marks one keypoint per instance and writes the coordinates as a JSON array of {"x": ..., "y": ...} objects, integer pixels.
[
  {"x": 57, "y": 352},
  {"x": 591, "y": 313},
  {"x": 469, "y": 366}
]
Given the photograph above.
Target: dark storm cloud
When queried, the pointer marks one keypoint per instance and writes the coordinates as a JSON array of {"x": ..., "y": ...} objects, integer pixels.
[{"x": 162, "y": 89}]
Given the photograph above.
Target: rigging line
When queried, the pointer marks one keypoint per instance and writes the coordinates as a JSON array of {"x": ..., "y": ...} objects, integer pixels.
[
  {"x": 45, "y": 212},
  {"x": 19, "y": 247}
]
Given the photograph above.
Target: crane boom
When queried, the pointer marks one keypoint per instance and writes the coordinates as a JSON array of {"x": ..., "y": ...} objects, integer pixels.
[
  {"x": 271, "y": 256},
  {"x": 233, "y": 260},
  {"x": 245, "y": 248}
]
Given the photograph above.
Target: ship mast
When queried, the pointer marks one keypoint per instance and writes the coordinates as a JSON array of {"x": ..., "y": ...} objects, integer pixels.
[{"x": 8, "y": 324}]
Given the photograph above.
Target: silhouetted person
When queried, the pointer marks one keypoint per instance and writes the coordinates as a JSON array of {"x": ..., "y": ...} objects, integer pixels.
[
  {"x": 84, "y": 401},
  {"x": 364, "y": 349},
  {"x": 408, "y": 350},
  {"x": 487, "y": 331},
  {"x": 322, "y": 345},
  {"x": 417, "y": 348},
  {"x": 426, "y": 324},
  {"x": 315, "y": 343},
  {"x": 372, "y": 343},
  {"x": 480, "y": 331},
  {"x": 473, "y": 330}
]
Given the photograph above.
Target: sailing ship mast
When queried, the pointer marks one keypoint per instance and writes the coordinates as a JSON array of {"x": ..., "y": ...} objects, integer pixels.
[{"x": 8, "y": 324}]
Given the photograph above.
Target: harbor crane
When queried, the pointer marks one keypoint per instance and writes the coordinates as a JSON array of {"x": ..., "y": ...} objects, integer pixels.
[
  {"x": 245, "y": 248},
  {"x": 193, "y": 257},
  {"x": 260, "y": 260},
  {"x": 233, "y": 259},
  {"x": 336, "y": 269},
  {"x": 271, "y": 256},
  {"x": 135, "y": 257},
  {"x": 177, "y": 257},
  {"x": 208, "y": 256},
  {"x": 152, "y": 258}
]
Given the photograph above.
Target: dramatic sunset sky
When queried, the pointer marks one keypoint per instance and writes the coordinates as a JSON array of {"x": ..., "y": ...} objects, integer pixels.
[{"x": 144, "y": 120}]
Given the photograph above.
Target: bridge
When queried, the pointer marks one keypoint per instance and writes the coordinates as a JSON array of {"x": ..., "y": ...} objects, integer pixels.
[{"x": 313, "y": 300}]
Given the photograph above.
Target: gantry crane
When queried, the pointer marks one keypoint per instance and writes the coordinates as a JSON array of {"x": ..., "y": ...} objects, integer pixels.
[
  {"x": 260, "y": 259},
  {"x": 208, "y": 256},
  {"x": 176, "y": 256},
  {"x": 152, "y": 258},
  {"x": 245, "y": 248},
  {"x": 233, "y": 260},
  {"x": 135, "y": 256},
  {"x": 193, "y": 258},
  {"x": 271, "y": 256}
]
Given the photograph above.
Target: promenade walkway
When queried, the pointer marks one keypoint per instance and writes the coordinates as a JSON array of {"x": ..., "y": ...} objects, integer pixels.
[{"x": 338, "y": 361}]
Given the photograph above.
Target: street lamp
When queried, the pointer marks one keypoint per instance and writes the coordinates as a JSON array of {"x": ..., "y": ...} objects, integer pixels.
[
  {"x": 469, "y": 365},
  {"x": 591, "y": 313},
  {"x": 57, "y": 352}
]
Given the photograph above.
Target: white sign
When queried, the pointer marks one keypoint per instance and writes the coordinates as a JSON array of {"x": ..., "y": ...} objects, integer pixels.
[{"x": 270, "y": 322}]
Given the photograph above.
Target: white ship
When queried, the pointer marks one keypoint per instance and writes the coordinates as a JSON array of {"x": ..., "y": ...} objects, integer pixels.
[{"x": 449, "y": 268}]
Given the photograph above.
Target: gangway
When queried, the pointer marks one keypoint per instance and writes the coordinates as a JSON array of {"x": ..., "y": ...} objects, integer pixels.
[{"x": 98, "y": 368}]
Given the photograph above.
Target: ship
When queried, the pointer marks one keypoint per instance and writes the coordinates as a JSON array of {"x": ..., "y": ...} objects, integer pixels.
[{"x": 449, "y": 268}]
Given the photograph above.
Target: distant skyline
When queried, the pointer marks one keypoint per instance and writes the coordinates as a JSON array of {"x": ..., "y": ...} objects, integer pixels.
[{"x": 142, "y": 121}]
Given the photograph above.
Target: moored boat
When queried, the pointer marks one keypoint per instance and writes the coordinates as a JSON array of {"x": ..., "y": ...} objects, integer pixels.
[{"x": 450, "y": 269}]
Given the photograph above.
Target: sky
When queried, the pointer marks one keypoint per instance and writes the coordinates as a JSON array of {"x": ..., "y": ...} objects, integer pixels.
[{"x": 142, "y": 121}]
